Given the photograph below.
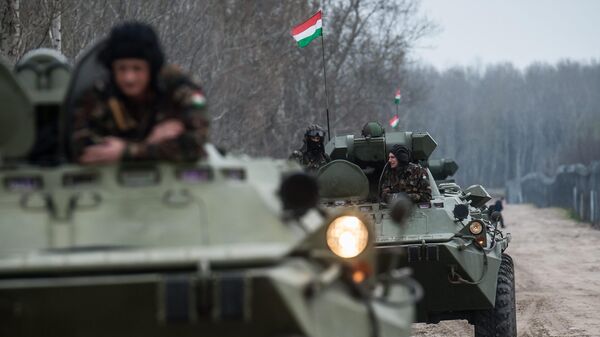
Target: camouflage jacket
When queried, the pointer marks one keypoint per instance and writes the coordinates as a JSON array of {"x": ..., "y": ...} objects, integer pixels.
[
  {"x": 310, "y": 161},
  {"x": 413, "y": 180},
  {"x": 100, "y": 113}
]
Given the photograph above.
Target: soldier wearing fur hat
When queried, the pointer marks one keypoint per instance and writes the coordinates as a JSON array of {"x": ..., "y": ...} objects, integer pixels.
[
  {"x": 312, "y": 154},
  {"x": 404, "y": 176},
  {"x": 144, "y": 111}
]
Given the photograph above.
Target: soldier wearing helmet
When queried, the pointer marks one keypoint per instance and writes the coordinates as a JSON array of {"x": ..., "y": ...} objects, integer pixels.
[
  {"x": 144, "y": 111},
  {"x": 403, "y": 176},
  {"x": 372, "y": 130},
  {"x": 312, "y": 154}
]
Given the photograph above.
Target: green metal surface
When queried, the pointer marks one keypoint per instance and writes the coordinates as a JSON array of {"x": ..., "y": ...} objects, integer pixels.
[
  {"x": 16, "y": 116},
  {"x": 341, "y": 179},
  {"x": 44, "y": 74},
  {"x": 443, "y": 168}
]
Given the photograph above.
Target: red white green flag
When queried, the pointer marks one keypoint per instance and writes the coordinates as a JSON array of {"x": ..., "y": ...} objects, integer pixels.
[
  {"x": 397, "y": 97},
  {"x": 309, "y": 30},
  {"x": 394, "y": 121}
]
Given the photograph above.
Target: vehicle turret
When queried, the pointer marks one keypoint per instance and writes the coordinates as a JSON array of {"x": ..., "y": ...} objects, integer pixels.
[
  {"x": 442, "y": 169},
  {"x": 374, "y": 149},
  {"x": 370, "y": 151}
]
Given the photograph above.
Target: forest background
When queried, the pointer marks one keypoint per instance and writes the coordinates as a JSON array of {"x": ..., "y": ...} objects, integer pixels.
[{"x": 497, "y": 121}]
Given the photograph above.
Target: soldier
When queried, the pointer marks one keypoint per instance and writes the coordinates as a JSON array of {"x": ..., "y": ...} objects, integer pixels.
[
  {"x": 404, "y": 176},
  {"x": 312, "y": 154},
  {"x": 145, "y": 111},
  {"x": 498, "y": 207},
  {"x": 372, "y": 130}
]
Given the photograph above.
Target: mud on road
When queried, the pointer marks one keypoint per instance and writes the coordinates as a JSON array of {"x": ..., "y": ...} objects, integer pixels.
[{"x": 557, "y": 273}]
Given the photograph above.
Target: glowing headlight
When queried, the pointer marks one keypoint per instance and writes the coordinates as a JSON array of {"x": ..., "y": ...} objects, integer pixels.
[
  {"x": 475, "y": 227},
  {"x": 347, "y": 236}
]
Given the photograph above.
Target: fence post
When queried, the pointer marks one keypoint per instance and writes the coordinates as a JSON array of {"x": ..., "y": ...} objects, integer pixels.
[
  {"x": 581, "y": 207},
  {"x": 593, "y": 197},
  {"x": 592, "y": 206},
  {"x": 575, "y": 208}
]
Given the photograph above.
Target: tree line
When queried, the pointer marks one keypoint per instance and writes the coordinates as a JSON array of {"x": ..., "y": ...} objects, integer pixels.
[
  {"x": 500, "y": 123},
  {"x": 497, "y": 122},
  {"x": 263, "y": 90}
]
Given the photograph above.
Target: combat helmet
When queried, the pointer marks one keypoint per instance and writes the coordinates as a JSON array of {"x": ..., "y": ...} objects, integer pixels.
[
  {"x": 314, "y": 130},
  {"x": 372, "y": 129}
]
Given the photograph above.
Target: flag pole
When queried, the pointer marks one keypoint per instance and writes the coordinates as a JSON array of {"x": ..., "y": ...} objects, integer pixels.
[
  {"x": 325, "y": 71},
  {"x": 397, "y": 102}
]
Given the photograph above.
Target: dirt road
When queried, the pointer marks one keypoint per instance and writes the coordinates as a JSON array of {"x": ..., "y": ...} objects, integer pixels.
[{"x": 557, "y": 272}]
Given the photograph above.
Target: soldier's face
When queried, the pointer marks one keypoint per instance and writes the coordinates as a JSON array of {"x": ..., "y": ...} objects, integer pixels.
[
  {"x": 132, "y": 76},
  {"x": 392, "y": 160},
  {"x": 315, "y": 139}
]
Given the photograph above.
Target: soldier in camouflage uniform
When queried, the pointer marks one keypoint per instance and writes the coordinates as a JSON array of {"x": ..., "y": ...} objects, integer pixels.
[
  {"x": 312, "y": 154},
  {"x": 145, "y": 111},
  {"x": 404, "y": 176}
]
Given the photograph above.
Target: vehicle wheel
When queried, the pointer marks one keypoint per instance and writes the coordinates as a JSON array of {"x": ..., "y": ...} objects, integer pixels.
[{"x": 501, "y": 321}]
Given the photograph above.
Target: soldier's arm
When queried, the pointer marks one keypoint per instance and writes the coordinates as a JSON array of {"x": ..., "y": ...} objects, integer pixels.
[
  {"x": 188, "y": 145},
  {"x": 423, "y": 187},
  {"x": 296, "y": 156},
  {"x": 88, "y": 127},
  {"x": 386, "y": 187}
]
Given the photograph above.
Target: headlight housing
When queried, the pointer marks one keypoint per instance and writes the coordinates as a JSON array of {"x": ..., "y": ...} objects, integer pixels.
[
  {"x": 475, "y": 227},
  {"x": 347, "y": 236}
]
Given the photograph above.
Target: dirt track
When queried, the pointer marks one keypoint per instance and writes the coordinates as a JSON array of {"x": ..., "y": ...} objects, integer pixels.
[{"x": 557, "y": 266}]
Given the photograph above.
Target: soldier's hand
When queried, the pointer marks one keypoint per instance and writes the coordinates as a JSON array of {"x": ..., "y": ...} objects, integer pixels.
[
  {"x": 169, "y": 129},
  {"x": 109, "y": 151},
  {"x": 414, "y": 197},
  {"x": 385, "y": 191}
]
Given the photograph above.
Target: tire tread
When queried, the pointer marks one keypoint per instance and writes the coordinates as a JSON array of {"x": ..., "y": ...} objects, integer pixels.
[{"x": 500, "y": 321}]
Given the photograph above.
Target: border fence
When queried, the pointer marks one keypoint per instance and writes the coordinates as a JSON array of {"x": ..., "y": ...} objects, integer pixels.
[{"x": 574, "y": 187}]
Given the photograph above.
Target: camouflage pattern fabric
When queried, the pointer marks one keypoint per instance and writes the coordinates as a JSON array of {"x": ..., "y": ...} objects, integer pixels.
[
  {"x": 412, "y": 180},
  {"x": 100, "y": 113},
  {"x": 311, "y": 161}
]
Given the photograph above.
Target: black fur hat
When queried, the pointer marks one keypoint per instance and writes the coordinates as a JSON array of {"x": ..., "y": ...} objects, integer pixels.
[
  {"x": 133, "y": 40},
  {"x": 402, "y": 153}
]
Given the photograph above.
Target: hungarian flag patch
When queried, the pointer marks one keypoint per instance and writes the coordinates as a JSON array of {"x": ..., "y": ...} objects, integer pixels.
[{"x": 198, "y": 100}]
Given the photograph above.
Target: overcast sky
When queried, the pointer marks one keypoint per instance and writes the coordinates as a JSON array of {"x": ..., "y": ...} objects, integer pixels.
[{"x": 520, "y": 31}]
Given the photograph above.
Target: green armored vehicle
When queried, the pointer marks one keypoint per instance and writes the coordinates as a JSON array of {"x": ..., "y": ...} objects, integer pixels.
[
  {"x": 451, "y": 243},
  {"x": 227, "y": 246}
]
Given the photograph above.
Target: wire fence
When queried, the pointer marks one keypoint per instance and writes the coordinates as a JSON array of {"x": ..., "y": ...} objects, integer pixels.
[{"x": 573, "y": 187}]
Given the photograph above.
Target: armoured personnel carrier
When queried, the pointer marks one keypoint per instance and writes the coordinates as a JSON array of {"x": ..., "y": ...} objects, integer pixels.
[
  {"x": 227, "y": 246},
  {"x": 451, "y": 243}
]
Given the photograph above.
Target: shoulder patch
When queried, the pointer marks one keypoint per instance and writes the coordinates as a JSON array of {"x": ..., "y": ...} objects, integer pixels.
[{"x": 198, "y": 99}]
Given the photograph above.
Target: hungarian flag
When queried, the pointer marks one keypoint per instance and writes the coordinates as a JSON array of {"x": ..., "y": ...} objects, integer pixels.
[
  {"x": 397, "y": 97},
  {"x": 309, "y": 30},
  {"x": 394, "y": 121}
]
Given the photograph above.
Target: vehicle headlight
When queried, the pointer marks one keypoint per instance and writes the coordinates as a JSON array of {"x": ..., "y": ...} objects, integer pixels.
[
  {"x": 347, "y": 236},
  {"x": 475, "y": 227}
]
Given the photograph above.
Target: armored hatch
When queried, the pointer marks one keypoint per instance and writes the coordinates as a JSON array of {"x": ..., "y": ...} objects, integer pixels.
[{"x": 16, "y": 117}]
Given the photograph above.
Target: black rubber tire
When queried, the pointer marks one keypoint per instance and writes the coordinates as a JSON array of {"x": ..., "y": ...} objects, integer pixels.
[{"x": 501, "y": 321}]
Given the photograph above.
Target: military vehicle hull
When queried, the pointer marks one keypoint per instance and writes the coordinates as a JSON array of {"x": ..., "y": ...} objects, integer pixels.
[
  {"x": 432, "y": 264},
  {"x": 215, "y": 247},
  {"x": 77, "y": 256},
  {"x": 452, "y": 244},
  {"x": 436, "y": 258},
  {"x": 261, "y": 301}
]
